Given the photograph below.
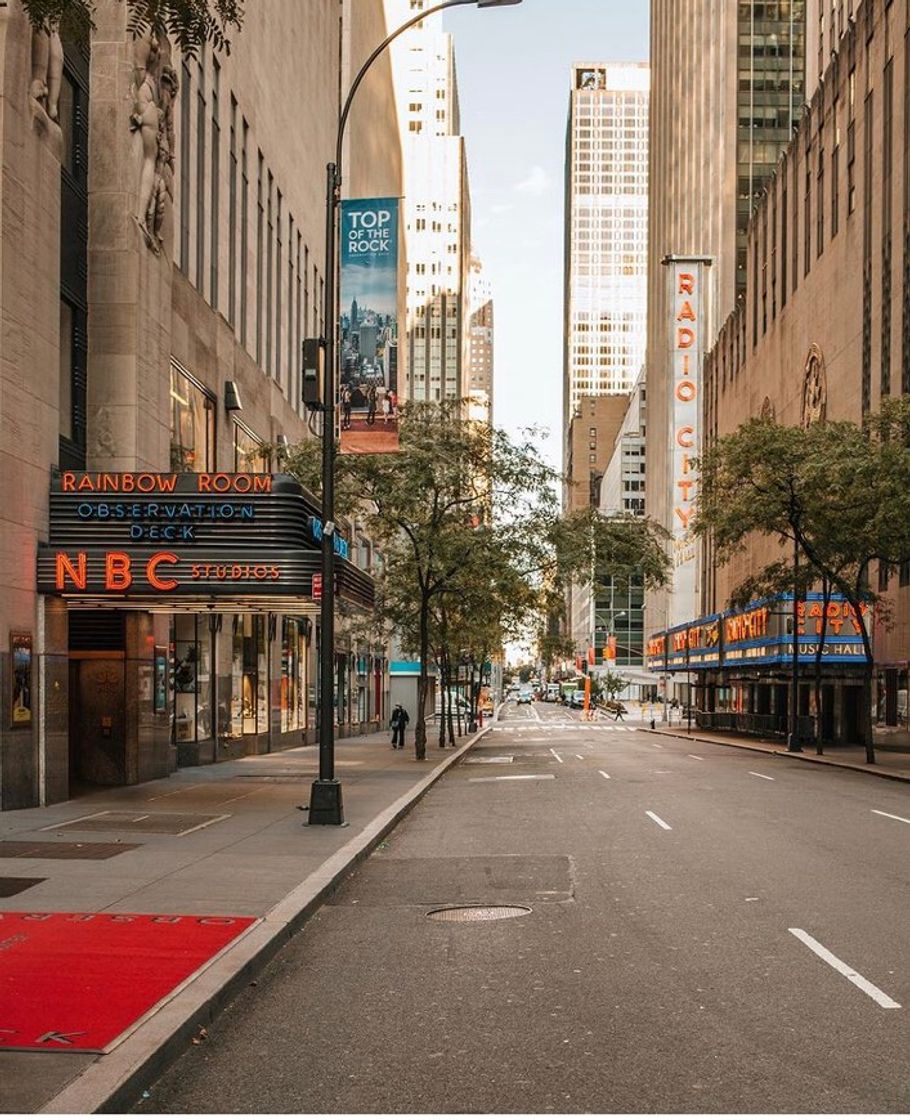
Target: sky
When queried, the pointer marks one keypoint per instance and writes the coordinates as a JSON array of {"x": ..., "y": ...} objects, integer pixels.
[{"x": 513, "y": 76}]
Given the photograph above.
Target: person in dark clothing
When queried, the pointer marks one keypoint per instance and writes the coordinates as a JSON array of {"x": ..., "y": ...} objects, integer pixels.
[{"x": 400, "y": 720}]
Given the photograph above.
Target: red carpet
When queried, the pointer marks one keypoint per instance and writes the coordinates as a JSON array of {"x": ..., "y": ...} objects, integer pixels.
[{"x": 72, "y": 982}]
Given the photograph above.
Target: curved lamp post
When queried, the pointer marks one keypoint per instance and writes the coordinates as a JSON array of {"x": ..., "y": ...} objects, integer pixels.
[{"x": 326, "y": 806}]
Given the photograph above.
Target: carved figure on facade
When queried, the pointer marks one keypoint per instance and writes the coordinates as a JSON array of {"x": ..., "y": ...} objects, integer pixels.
[
  {"x": 768, "y": 411},
  {"x": 155, "y": 88},
  {"x": 815, "y": 388},
  {"x": 47, "y": 70}
]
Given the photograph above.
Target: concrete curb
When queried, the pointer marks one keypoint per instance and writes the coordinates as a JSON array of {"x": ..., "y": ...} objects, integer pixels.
[
  {"x": 800, "y": 756},
  {"x": 116, "y": 1080}
]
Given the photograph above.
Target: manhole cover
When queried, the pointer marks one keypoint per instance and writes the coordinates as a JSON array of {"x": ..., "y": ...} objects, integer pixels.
[{"x": 477, "y": 913}]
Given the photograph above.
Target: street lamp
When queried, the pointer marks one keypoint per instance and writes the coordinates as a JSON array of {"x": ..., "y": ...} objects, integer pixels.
[{"x": 326, "y": 806}]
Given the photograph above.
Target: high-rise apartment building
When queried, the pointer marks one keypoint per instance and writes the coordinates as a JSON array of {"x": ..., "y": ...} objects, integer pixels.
[
  {"x": 480, "y": 352},
  {"x": 437, "y": 206},
  {"x": 728, "y": 86},
  {"x": 606, "y": 230}
]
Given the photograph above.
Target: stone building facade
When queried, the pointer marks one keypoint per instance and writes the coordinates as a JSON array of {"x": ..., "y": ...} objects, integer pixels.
[
  {"x": 824, "y": 329},
  {"x": 162, "y": 237}
]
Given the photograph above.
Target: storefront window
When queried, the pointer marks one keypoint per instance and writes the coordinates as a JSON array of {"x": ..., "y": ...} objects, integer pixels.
[
  {"x": 249, "y": 676},
  {"x": 192, "y": 424},
  {"x": 293, "y": 674},
  {"x": 192, "y": 680},
  {"x": 248, "y": 455}
]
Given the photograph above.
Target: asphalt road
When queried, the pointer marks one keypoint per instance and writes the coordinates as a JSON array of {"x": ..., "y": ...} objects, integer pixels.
[{"x": 711, "y": 930}]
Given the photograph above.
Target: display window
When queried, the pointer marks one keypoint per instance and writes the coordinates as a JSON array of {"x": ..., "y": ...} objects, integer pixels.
[
  {"x": 249, "y": 458},
  {"x": 293, "y": 674},
  {"x": 192, "y": 679},
  {"x": 249, "y": 676}
]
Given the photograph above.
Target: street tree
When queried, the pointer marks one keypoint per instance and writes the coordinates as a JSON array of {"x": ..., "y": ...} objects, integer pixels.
[
  {"x": 838, "y": 493},
  {"x": 464, "y": 512}
]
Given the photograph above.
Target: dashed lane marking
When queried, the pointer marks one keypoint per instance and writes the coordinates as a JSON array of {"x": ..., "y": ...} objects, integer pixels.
[
  {"x": 755, "y": 774},
  {"x": 603, "y": 773},
  {"x": 845, "y": 970},
  {"x": 654, "y": 817},
  {"x": 516, "y": 778},
  {"x": 891, "y": 815},
  {"x": 555, "y": 755}
]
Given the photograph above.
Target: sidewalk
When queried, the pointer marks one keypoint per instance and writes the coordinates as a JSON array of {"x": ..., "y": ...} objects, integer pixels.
[
  {"x": 224, "y": 839},
  {"x": 894, "y": 764}
]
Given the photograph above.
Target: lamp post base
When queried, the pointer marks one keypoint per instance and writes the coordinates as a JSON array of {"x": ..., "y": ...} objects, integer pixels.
[
  {"x": 793, "y": 744},
  {"x": 326, "y": 805}
]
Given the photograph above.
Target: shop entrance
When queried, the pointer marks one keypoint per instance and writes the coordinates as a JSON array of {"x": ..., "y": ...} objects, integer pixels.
[{"x": 97, "y": 700}]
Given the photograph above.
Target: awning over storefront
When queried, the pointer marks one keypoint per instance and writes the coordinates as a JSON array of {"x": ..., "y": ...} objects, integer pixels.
[
  {"x": 166, "y": 541},
  {"x": 760, "y": 634}
]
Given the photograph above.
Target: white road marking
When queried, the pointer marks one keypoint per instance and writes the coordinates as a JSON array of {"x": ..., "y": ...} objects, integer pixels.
[
  {"x": 205, "y": 824},
  {"x": 555, "y": 755},
  {"x": 891, "y": 815},
  {"x": 755, "y": 774},
  {"x": 581, "y": 756},
  {"x": 654, "y": 817},
  {"x": 75, "y": 820},
  {"x": 604, "y": 773},
  {"x": 698, "y": 756},
  {"x": 845, "y": 970},
  {"x": 516, "y": 778}
]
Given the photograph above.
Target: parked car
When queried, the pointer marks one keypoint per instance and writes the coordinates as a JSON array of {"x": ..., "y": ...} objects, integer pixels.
[
  {"x": 526, "y": 696},
  {"x": 577, "y": 699}
]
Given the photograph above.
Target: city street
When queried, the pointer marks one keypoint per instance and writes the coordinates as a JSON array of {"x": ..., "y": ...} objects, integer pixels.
[{"x": 709, "y": 930}]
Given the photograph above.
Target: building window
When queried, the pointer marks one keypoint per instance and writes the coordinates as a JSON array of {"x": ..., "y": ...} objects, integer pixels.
[
  {"x": 191, "y": 643},
  {"x": 835, "y": 172},
  {"x": 293, "y": 674},
  {"x": 820, "y": 204},
  {"x": 279, "y": 269},
  {"x": 260, "y": 262},
  {"x": 184, "y": 168},
  {"x": 248, "y": 454},
  {"x": 192, "y": 424},
  {"x": 244, "y": 231},
  {"x": 851, "y": 167},
  {"x": 200, "y": 181},
  {"x": 215, "y": 215},
  {"x": 232, "y": 218},
  {"x": 249, "y": 677},
  {"x": 67, "y": 327}
]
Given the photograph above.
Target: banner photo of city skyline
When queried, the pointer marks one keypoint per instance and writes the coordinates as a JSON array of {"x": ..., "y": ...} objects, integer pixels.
[{"x": 368, "y": 389}]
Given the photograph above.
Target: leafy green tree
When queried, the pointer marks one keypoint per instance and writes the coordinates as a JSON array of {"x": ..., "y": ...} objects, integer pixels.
[
  {"x": 611, "y": 684},
  {"x": 469, "y": 518},
  {"x": 189, "y": 23},
  {"x": 837, "y": 492}
]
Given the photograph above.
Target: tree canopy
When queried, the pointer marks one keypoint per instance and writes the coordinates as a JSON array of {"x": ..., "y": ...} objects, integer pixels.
[
  {"x": 189, "y": 23},
  {"x": 839, "y": 492}
]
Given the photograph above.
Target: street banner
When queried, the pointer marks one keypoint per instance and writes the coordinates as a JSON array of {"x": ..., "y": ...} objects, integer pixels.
[{"x": 368, "y": 389}]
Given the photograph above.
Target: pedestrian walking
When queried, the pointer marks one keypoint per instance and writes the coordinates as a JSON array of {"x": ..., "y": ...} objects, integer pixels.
[
  {"x": 620, "y": 712},
  {"x": 400, "y": 720}
]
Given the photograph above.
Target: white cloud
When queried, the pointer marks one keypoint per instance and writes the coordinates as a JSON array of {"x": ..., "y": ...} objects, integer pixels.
[{"x": 537, "y": 182}]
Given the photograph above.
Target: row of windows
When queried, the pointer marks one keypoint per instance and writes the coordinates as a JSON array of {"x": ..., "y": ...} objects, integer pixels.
[{"x": 268, "y": 262}]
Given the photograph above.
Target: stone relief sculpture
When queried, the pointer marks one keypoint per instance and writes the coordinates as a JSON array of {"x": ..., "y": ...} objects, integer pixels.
[
  {"x": 815, "y": 388},
  {"x": 47, "y": 70},
  {"x": 155, "y": 89},
  {"x": 768, "y": 411}
]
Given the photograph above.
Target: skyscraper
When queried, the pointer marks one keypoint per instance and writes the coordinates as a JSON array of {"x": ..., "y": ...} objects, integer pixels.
[
  {"x": 436, "y": 206},
  {"x": 606, "y": 231},
  {"x": 728, "y": 85},
  {"x": 480, "y": 354}
]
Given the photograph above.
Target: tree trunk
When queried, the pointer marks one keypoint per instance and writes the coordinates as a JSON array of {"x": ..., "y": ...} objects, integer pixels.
[
  {"x": 449, "y": 721},
  {"x": 420, "y": 725}
]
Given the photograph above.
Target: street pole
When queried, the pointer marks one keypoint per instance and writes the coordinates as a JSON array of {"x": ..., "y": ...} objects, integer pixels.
[
  {"x": 793, "y": 736},
  {"x": 326, "y": 802}
]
